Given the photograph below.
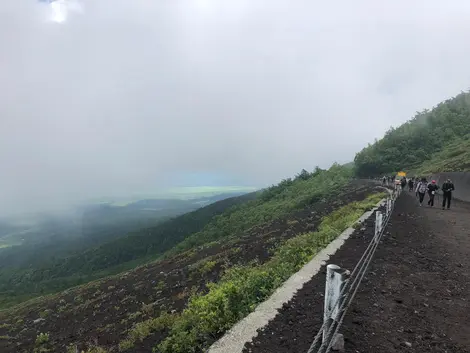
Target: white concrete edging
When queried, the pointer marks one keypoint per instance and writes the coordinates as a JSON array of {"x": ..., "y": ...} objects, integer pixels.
[{"x": 246, "y": 329}]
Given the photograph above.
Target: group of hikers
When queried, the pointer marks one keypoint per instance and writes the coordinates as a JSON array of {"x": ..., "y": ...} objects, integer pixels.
[{"x": 421, "y": 187}]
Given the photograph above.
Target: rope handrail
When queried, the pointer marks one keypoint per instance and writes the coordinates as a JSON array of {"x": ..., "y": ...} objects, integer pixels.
[{"x": 351, "y": 286}]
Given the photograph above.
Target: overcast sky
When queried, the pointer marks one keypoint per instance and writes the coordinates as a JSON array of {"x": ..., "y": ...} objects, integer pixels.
[{"x": 131, "y": 96}]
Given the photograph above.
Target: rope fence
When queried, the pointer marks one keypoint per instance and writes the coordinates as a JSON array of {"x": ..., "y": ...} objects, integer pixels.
[{"x": 342, "y": 286}]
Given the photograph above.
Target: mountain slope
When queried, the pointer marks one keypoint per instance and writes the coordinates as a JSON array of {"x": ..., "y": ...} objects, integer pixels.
[
  {"x": 454, "y": 157},
  {"x": 434, "y": 140},
  {"x": 221, "y": 277},
  {"x": 222, "y": 219}
]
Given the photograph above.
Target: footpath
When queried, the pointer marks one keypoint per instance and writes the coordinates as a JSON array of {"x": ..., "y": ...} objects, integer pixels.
[{"x": 415, "y": 297}]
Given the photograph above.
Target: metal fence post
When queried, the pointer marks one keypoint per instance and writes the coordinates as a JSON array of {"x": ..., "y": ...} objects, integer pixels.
[
  {"x": 336, "y": 278},
  {"x": 378, "y": 224}
]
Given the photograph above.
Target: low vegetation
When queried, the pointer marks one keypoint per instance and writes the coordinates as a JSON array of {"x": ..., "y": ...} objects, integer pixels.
[{"x": 455, "y": 157}]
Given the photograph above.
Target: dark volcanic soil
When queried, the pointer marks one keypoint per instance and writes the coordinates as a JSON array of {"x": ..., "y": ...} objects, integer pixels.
[
  {"x": 415, "y": 298},
  {"x": 102, "y": 312}
]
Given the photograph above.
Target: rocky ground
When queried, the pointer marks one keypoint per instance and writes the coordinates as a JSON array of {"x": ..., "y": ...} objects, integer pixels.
[
  {"x": 101, "y": 313},
  {"x": 415, "y": 298}
]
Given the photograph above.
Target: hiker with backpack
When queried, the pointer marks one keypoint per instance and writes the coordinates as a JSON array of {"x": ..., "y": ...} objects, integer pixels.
[
  {"x": 432, "y": 189},
  {"x": 447, "y": 189},
  {"x": 421, "y": 190}
]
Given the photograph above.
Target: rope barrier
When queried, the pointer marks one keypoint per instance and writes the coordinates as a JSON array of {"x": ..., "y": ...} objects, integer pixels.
[{"x": 351, "y": 286}]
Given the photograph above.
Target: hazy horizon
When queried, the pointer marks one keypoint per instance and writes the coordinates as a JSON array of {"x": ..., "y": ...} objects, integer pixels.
[{"x": 106, "y": 99}]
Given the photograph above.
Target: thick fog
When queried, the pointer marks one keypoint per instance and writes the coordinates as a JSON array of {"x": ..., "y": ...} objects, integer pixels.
[{"x": 111, "y": 97}]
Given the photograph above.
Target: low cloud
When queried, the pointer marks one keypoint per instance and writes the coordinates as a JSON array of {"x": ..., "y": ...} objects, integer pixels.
[{"x": 128, "y": 97}]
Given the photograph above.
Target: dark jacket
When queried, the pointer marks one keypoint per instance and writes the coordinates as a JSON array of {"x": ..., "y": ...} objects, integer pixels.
[
  {"x": 432, "y": 187},
  {"x": 448, "y": 187}
]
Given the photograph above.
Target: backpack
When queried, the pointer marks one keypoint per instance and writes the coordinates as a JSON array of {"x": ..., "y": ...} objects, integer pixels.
[{"x": 422, "y": 188}]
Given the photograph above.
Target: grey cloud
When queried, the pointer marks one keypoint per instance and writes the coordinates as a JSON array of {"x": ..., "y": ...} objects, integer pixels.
[{"x": 128, "y": 94}]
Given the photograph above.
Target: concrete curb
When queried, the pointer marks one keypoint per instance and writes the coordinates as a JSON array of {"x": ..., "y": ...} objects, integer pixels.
[{"x": 245, "y": 330}]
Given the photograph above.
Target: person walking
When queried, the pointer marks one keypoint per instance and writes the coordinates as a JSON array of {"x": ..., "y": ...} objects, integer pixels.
[
  {"x": 447, "y": 189},
  {"x": 421, "y": 190},
  {"x": 432, "y": 189},
  {"x": 403, "y": 183},
  {"x": 411, "y": 184}
]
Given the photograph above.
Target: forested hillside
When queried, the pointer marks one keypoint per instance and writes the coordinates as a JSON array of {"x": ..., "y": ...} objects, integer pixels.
[
  {"x": 52, "y": 237},
  {"x": 52, "y": 273},
  {"x": 434, "y": 140}
]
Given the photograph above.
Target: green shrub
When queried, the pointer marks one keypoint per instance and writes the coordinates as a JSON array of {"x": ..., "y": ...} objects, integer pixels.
[
  {"x": 42, "y": 338},
  {"x": 143, "y": 329}
]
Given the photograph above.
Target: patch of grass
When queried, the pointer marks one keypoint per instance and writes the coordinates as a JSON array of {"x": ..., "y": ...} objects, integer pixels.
[
  {"x": 45, "y": 313},
  {"x": 64, "y": 308},
  {"x": 95, "y": 349},
  {"x": 144, "y": 329},
  {"x": 242, "y": 288},
  {"x": 71, "y": 348},
  {"x": 292, "y": 222},
  {"x": 133, "y": 316},
  {"x": 41, "y": 345},
  {"x": 160, "y": 285},
  {"x": 148, "y": 309},
  {"x": 42, "y": 338},
  {"x": 207, "y": 267}
]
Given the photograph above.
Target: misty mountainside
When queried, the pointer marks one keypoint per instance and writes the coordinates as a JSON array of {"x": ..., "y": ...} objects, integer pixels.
[
  {"x": 89, "y": 225},
  {"x": 61, "y": 253},
  {"x": 435, "y": 140},
  {"x": 199, "y": 228},
  {"x": 220, "y": 262}
]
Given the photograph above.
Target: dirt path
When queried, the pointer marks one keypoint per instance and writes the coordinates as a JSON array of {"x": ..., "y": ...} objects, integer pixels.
[{"x": 416, "y": 297}]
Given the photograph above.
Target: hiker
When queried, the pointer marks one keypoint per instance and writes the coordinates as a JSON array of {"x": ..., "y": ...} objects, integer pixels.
[
  {"x": 432, "y": 189},
  {"x": 410, "y": 184},
  {"x": 447, "y": 189},
  {"x": 403, "y": 183},
  {"x": 421, "y": 190},
  {"x": 384, "y": 180}
]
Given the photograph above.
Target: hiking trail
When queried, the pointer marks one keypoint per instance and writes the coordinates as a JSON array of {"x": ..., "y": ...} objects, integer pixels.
[{"x": 415, "y": 297}]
